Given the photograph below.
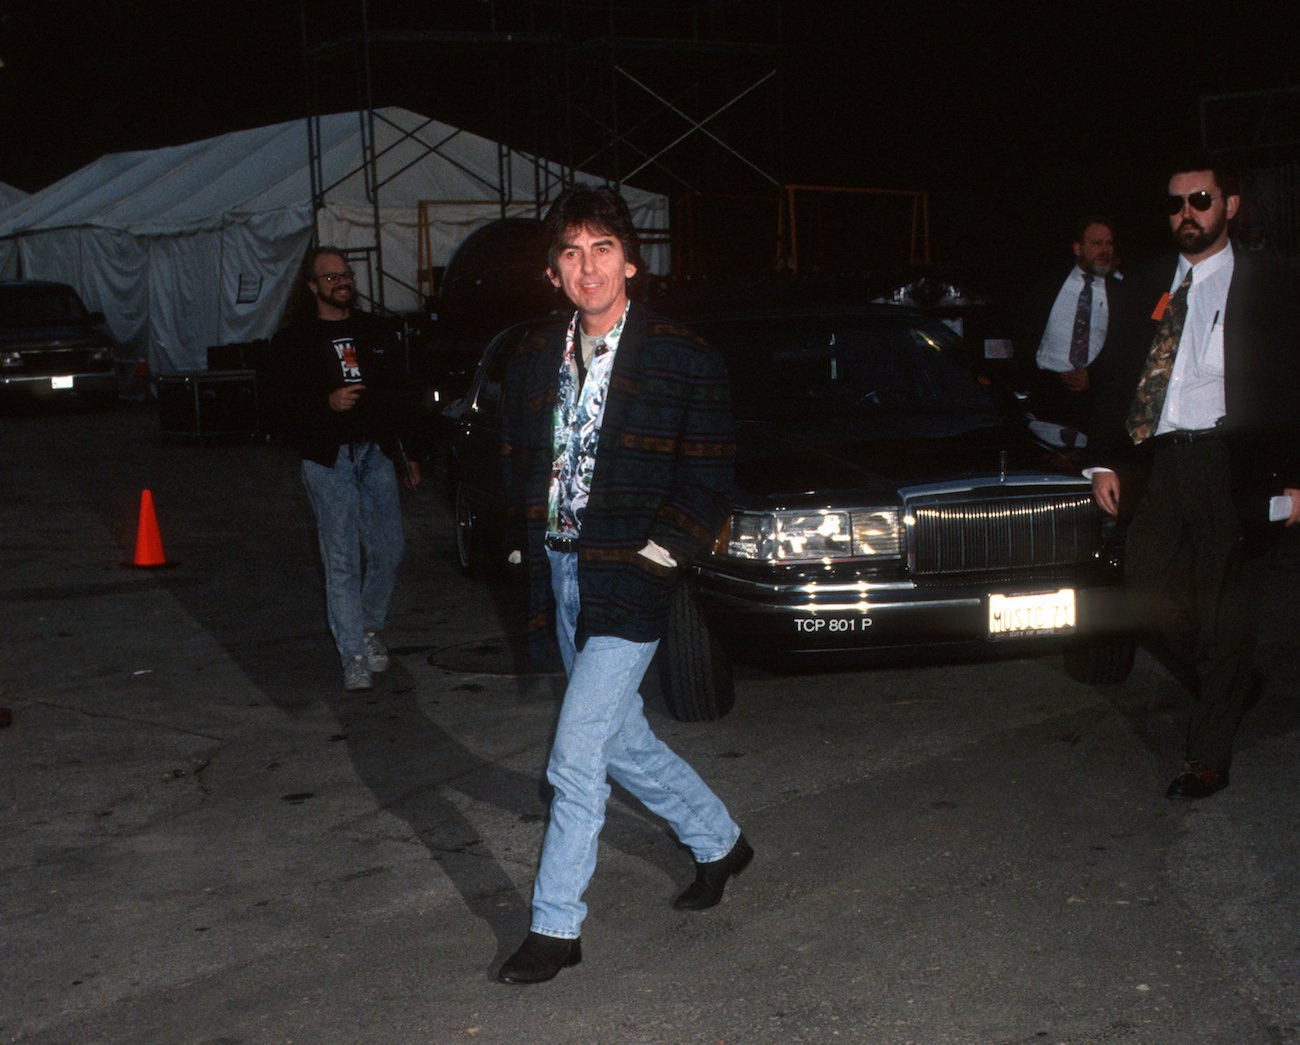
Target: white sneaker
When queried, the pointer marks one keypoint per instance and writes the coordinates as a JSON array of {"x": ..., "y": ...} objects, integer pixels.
[
  {"x": 356, "y": 673},
  {"x": 376, "y": 653}
]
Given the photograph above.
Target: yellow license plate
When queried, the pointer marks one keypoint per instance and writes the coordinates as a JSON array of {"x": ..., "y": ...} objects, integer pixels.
[{"x": 1045, "y": 613}]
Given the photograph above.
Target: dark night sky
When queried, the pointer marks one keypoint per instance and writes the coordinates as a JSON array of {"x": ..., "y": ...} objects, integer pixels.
[{"x": 1015, "y": 117}]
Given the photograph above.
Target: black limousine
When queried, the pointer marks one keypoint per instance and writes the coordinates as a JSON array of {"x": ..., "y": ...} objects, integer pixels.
[{"x": 890, "y": 498}]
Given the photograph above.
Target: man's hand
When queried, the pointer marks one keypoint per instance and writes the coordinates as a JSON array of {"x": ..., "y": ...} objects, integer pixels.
[
  {"x": 412, "y": 477},
  {"x": 1075, "y": 380},
  {"x": 658, "y": 554},
  {"x": 345, "y": 398},
  {"x": 1295, "y": 505},
  {"x": 1105, "y": 491}
]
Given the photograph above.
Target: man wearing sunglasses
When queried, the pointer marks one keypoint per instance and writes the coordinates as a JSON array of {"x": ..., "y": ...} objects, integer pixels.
[
  {"x": 1197, "y": 447},
  {"x": 339, "y": 385},
  {"x": 1075, "y": 328}
]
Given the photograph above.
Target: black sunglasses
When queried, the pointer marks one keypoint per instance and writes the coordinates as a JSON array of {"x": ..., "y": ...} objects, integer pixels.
[{"x": 1201, "y": 201}]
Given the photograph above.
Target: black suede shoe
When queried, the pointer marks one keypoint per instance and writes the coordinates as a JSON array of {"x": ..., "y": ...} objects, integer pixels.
[
  {"x": 1195, "y": 781},
  {"x": 711, "y": 878},
  {"x": 540, "y": 958}
]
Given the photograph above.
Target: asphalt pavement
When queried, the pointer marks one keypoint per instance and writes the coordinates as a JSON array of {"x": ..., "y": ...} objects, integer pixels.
[{"x": 205, "y": 839}]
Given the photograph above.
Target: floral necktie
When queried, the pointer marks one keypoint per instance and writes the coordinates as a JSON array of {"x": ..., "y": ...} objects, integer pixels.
[
  {"x": 1082, "y": 332},
  {"x": 1144, "y": 414}
]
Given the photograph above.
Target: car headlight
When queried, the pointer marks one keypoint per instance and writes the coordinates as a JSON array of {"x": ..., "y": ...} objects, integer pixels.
[
  {"x": 813, "y": 536},
  {"x": 11, "y": 359}
]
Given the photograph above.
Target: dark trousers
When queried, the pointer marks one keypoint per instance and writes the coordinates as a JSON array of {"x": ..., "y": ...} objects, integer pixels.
[{"x": 1192, "y": 582}]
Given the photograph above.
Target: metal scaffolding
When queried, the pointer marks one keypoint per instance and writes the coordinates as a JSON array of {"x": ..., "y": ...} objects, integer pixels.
[
  {"x": 1259, "y": 132},
  {"x": 675, "y": 96}
]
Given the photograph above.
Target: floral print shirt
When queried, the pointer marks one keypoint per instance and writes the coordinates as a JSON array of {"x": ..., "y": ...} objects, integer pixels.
[{"x": 575, "y": 426}]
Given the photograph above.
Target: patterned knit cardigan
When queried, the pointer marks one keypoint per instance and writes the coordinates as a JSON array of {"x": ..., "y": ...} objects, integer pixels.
[{"x": 663, "y": 473}]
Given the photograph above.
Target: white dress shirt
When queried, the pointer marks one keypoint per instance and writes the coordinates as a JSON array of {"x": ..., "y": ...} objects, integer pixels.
[
  {"x": 1195, "y": 397},
  {"x": 1054, "y": 348}
]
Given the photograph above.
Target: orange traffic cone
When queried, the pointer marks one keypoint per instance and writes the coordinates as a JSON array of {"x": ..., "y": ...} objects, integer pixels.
[{"x": 148, "y": 541}]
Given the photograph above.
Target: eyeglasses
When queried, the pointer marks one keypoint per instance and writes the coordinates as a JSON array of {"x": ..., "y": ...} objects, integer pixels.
[
  {"x": 1201, "y": 201},
  {"x": 347, "y": 274}
]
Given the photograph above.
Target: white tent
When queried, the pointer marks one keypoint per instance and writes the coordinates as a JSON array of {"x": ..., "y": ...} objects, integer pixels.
[
  {"x": 199, "y": 244},
  {"x": 9, "y": 195}
]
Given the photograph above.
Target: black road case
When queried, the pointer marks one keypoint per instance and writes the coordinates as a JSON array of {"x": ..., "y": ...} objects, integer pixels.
[{"x": 204, "y": 404}]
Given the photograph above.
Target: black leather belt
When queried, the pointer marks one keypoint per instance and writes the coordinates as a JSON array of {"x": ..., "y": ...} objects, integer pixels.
[
  {"x": 1184, "y": 436},
  {"x": 561, "y": 544}
]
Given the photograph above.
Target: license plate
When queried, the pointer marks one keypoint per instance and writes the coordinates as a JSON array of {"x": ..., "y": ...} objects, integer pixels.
[
  {"x": 61, "y": 382},
  {"x": 1047, "y": 613}
]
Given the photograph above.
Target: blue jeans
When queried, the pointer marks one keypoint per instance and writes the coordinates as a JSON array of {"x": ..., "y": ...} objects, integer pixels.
[
  {"x": 359, "y": 522},
  {"x": 603, "y": 733}
]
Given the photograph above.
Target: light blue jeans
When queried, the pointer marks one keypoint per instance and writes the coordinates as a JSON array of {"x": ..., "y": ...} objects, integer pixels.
[
  {"x": 359, "y": 522},
  {"x": 603, "y": 733}
]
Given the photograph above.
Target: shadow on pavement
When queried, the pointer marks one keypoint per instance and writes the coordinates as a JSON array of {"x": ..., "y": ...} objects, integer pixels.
[{"x": 264, "y": 606}]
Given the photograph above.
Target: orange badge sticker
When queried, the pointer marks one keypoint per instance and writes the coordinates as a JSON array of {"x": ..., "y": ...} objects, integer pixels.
[{"x": 1161, "y": 305}]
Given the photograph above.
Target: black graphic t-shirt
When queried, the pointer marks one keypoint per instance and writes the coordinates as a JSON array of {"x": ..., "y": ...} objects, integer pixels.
[
  {"x": 345, "y": 348},
  {"x": 315, "y": 357}
]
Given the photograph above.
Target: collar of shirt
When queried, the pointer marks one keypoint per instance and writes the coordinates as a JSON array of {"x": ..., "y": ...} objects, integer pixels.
[
  {"x": 1075, "y": 282},
  {"x": 579, "y": 341},
  {"x": 1075, "y": 278},
  {"x": 1202, "y": 270}
]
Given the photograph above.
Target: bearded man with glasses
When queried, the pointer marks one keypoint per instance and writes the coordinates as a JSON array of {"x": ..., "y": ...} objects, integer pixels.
[
  {"x": 338, "y": 382},
  {"x": 1197, "y": 446}
]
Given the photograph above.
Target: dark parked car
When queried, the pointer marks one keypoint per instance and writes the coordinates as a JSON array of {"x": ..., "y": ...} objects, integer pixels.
[
  {"x": 50, "y": 346},
  {"x": 889, "y": 497}
]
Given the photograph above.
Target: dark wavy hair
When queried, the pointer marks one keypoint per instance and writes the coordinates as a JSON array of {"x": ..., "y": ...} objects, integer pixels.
[
  {"x": 309, "y": 261},
  {"x": 1225, "y": 177},
  {"x": 596, "y": 207}
]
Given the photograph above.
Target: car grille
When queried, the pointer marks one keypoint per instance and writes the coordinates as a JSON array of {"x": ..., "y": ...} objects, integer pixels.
[{"x": 1009, "y": 533}]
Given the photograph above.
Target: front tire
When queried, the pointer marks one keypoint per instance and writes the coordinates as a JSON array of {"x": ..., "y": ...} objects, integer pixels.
[
  {"x": 1101, "y": 665},
  {"x": 695, "y": 672},
  {"x": 469, "y": 538}
]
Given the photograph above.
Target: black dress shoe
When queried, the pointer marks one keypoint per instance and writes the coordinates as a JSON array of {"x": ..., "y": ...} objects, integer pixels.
[
  {"x": 1197, "y": 782},
  {"x": 540, "y": 958},
  {"x": 711, "y": 878}
]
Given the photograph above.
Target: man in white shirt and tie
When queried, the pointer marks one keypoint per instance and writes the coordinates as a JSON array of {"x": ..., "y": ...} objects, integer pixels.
[
  {"x": 1197, "y": 447},
  {"x": 1076, "y": 329}
]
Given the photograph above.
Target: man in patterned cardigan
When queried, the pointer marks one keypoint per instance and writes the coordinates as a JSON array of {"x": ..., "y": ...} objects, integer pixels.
[{"x": 618, "y": 449}]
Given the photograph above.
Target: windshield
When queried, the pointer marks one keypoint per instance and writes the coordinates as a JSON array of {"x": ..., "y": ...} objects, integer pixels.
[
  {"x": 39, "y": 306},
  {"x": 853, "y": 366}
]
